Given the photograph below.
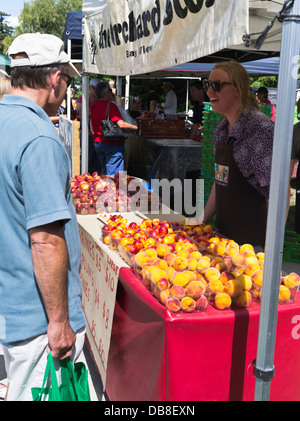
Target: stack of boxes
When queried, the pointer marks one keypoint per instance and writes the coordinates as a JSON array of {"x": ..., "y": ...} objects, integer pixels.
[{"x": 209, "y": 122}]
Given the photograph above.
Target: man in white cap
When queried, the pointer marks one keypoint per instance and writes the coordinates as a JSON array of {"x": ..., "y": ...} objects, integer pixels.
[
  {"x": 40, "y": 288},
  {"x": 169, "y": 107}
]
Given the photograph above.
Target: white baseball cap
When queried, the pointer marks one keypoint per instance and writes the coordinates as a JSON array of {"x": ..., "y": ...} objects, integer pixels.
[
  {"x": 41, "y": 50},
  {"x": 94, "y": 81}
]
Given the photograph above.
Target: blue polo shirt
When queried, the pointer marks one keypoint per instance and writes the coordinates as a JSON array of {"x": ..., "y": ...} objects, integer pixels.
[{"x": 34, "y": 190}]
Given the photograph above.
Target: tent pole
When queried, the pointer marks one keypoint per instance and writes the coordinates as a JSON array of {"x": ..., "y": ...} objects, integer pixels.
[
  {"x": 287, "y": 83},
  {"x": 127, "y": 89},
  {"x": 85, "y": 112}
]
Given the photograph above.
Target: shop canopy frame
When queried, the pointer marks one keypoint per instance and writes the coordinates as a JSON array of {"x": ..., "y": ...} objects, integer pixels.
[{"x": 275, "y": 40}]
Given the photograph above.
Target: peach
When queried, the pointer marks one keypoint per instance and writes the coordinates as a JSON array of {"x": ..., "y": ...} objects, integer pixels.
[
  {"x": 140, "y": 259},
  {"x": 222, "y": 301},
  {"x": 192, "y": 264},
  {"x": 292, "y": 280},
  {"x": 232, "y": 243},
  {"x": 163, "y": 283},
  {"x": 179, "y": 278},
  {"x": 157, "y": 274},
  {"x": 201, "y": 302},
  {"x": 188, "y": 304},
  {"x": 212, "y": 274},
  {"x": 169, "y": 257},
  {"x": 151, "y": 253},
  {"x": 180, "y": 263},
  {"x": 251, "y": 268},
  {"x": 220, "y": 248},
  {"x": 162, "y": 250},
  {"x": 191, "y": 275},
  {"x": 226, "y": 276},
  {"x": 173, "y": 304},
  {"x": 190, "y": 247},
  {"x": 244, "y": 299},
  {"x": 284, "y": 294},
  {"x": 164, "y": 296},
  {"x": 183, "y": 253},
  {"x": 233, "y": 287},
  {"x": 215, "y": 286},
  {"x": 246, "y": 247},
  {"x": 231, "y": 251},
  {"x": 107, "y": 239},
  {"x": 194, "y": 289},
  {"x": 221, "y": 267},
  {"x": 170, "y": 271},
  {"x": 245, "y": 281},
  {"x": 196, "y": 255},
  {"x": 238, "y": 260},
  {"x": 252, "y": 260},
  {"x": 177, "y": 291},
  {"x": 260, "y": 256},
  {"x": 162, "y": 264},
  {"x": 257, "y": 277},
  {"x": 216, "y": 260}
]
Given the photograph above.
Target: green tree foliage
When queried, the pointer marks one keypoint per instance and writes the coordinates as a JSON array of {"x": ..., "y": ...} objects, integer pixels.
[
  {"x": 44, "y": 16},
  {"x": 5, "y": 30}
]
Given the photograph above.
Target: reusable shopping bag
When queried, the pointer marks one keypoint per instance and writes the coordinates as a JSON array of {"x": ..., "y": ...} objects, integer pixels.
[{"x": 74, "y": 382}]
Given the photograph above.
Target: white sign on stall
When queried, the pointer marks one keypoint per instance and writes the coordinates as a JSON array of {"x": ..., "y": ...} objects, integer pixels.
[
  {"x": 99, "y": 276},
  {"x": 141, "y": 36}
]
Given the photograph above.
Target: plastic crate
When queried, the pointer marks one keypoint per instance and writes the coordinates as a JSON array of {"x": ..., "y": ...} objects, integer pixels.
[
  {"x": 208, "y": 174},
  {"x": 212, "y": 116},
  {"x": 207, "y": 136},
  {"x": 207, "y": 146},
  {"x": 208, "y": 165},
  {"x": 208, "y": 155},
  {"x": 209, "y": 125},
  {"x": 291, "y": 247},
  {"x": 161, "y": 128}
]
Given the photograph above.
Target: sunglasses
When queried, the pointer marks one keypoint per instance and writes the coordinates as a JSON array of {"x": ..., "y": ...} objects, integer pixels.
[
  {"x": 216, "y": 85},
  {"x": 69, "y": 79}
]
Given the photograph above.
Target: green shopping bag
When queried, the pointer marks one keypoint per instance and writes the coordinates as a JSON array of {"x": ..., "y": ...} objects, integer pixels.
[{"x": 74, "y": 382}]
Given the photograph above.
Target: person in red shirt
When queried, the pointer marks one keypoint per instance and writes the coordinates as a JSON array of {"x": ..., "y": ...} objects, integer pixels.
[
  {"x": 262, "y": 96},
  {"x": 110, "y": 155}
]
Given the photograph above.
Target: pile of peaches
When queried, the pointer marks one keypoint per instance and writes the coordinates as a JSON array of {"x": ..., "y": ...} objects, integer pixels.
[
  {"x": 188, "y": 275},
  {"x": 95, "y": 193}
]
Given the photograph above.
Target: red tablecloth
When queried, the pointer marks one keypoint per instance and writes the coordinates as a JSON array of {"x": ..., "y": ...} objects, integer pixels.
[{"x": 163, "y": 356}]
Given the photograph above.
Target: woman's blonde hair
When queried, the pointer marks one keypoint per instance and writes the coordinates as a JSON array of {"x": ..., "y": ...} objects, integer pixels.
[
  {"x": 240, "y": 79},
  {"x": 5, "y": 85}
]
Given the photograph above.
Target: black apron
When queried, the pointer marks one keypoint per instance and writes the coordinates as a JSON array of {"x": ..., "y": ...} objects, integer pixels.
[
  {"x": 297, "y": 205},
  {"x": 241, "y": 213}
]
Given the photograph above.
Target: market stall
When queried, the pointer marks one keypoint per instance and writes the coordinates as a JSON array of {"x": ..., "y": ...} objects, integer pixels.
[{"x": 235, "y": 20}]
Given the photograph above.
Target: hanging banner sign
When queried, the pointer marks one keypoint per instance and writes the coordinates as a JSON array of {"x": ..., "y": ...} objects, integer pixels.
[{"x": 139, "y": 36}]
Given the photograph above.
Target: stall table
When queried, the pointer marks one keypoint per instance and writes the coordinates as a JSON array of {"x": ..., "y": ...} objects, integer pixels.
[
  {"x": 162, "y": 158},
  {"x": 157, "y": 355}
]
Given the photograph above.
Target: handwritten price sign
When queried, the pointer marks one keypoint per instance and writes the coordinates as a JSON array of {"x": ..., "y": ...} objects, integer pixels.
[{"x": 99, "y": 276}]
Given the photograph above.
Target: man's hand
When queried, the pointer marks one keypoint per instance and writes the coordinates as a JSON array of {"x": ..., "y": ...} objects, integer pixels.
[{"x": 61, "y": 339}]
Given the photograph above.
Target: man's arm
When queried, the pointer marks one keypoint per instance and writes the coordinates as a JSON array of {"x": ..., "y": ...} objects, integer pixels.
[{"x": 50, "y": 265}]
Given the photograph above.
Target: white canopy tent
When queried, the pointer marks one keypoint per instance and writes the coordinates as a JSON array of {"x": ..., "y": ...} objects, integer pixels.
[{"x": 137, "y": 36}]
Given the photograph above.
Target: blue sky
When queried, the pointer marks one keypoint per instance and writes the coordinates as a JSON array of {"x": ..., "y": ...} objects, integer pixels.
[{"x": 13, "y": 8}]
